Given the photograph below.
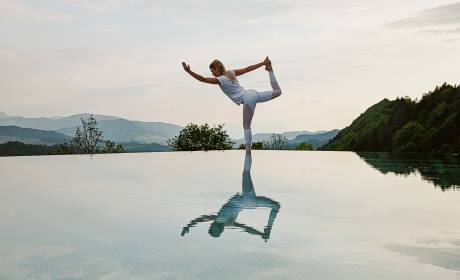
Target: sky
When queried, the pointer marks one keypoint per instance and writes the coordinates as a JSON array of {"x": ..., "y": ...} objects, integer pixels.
[{"x": 333, "y": 59}]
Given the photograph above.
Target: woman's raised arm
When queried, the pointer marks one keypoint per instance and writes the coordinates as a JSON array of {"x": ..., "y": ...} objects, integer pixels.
[
  {"x": 200, "y": 78},
  {"x": 251, "y": 67}
]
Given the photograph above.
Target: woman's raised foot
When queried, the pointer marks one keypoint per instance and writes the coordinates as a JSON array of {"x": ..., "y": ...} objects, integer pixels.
[{"x": 268, "y": 67}]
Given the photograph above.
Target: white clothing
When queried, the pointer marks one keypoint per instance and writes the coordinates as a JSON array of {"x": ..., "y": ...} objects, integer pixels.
[
  {"x": 239, "y": 95},
  {"x": 232, "y": 89},
  {"x": 251, "y": 97},
  {"x": 248, "y": 138}
]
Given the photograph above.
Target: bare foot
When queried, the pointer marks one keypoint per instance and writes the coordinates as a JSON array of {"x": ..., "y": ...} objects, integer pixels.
[{"x": 268, "y": 67}]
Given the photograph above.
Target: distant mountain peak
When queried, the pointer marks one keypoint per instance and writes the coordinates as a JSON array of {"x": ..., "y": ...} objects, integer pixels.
[
  {"x": 4, "y": 115},
  {"x": 97, "y": 116}
]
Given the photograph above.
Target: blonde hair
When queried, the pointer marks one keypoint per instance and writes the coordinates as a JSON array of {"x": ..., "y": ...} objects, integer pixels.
[{"x": 217, "y": 64}]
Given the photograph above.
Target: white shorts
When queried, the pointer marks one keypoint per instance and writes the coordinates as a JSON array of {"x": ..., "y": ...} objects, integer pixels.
[{"x": 251, "y": 97}]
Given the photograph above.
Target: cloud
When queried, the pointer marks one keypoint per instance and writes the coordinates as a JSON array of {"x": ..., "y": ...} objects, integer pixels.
[
  {"x": 15, "y": 11},
  {"x": 356, "y": 9},
  {"x": 311, "y": 101},
  {"x": 233, "y": 13},
  {"x": 452, "y": 40},
  {"x": 446, "y": 15},
  {"x": 441, "y": 31},
  {"x": 95, "y": 5}
]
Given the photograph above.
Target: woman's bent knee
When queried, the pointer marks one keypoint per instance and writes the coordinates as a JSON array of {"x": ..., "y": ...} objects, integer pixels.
[{"x": 276, "y": 93}]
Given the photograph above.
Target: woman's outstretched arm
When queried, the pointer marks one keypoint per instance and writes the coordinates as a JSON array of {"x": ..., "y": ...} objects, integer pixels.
[
  {"x": 203, "y": 218},
  {"x": 251, "y": 67},
  {"x": 200, "y": 78}
]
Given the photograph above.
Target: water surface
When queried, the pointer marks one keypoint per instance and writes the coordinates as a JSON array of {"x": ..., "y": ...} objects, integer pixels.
[{"x": 295, "y": 215}]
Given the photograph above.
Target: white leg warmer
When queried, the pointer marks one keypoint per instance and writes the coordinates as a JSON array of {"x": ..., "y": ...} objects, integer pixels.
[
  {"x": 247, "y": 162},
  {"x": 248, "y": 137},
  {"x": 274, "y": 83}
]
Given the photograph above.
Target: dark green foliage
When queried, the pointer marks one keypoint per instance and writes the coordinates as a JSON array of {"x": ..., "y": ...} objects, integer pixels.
[
  {"x": 402, "y": 125},
  {"x": 258, "y": 145},
  {"x": 255, "y": 146},
  {"x": 275, "y": 142},
  {"x": 405, "y": 138},
  {"x": 66, "y": 148},
  {"x": 133, "y": 147},
  {"x": 15, "y": 148},
  {"x": 440, "y": 169},
  {"x": 201, "y": 138},
  {"x": 88, "y": 139},
  {"x": 111, "y": 147},
  {"x": 304, "y": 147}
]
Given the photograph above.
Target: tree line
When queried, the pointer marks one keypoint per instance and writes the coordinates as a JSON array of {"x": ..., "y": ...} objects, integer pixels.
[
  {"x": 428, "y": 125},
  {"x": 88, "y": 139},
  {"x": 203, "y": 138}
]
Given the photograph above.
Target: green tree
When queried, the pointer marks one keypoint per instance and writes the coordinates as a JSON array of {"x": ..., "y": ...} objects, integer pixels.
[
  {"x": 255, "y": 146},
  {"x": 412, "y": 132},
  {"x": 201, "y": 138},
  {"x": 111, "y": 147},
  {"x": 275, "y": 142},
  {"x": 87, "y": 139},
  {"x": 66, "y": 148},
  {"x": 429, "y": 125},
  {"x": 304, "y": 146}
]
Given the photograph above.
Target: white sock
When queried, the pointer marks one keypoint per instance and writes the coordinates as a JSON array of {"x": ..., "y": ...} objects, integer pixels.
[
  {"x": 273, "y": 81},
  {"x": 247, "y": 162},
  {"x": 248, "y": 137}
]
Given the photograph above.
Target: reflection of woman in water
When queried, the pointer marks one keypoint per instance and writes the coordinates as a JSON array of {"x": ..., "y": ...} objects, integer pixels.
[{"x": 229, "y": 212}]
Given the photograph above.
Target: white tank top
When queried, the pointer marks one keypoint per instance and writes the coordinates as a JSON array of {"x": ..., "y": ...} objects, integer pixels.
[{"x": 231, "y": 89}]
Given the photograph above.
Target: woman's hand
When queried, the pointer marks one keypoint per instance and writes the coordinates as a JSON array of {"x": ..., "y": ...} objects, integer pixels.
[
  {"x": 267, "y": 61},
  {"x": 199, "y": 77},
  {"x": 186, "y": 67}
]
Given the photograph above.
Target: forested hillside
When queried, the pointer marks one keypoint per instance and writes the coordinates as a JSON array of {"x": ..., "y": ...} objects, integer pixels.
[{"x": 431, "y": 124}]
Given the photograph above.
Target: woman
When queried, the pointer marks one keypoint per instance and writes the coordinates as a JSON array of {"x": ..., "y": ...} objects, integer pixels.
[{"x": 229, "y": 84}]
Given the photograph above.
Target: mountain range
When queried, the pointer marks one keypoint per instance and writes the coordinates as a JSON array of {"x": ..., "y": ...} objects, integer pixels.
[
  {"x": 31, "y": 135},
  {"x": 114, "y": 128},
  {"x": 316, "y": 138},
  {"x": 134, "y": 135}
]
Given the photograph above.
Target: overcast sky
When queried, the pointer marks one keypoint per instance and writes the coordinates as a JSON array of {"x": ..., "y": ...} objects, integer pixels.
[{"x": 333, "y": 59}]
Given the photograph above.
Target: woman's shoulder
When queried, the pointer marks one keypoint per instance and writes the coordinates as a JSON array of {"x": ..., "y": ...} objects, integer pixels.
[
  {"x": 221, "y": 79},
  {"x": 232, "y": 76}
]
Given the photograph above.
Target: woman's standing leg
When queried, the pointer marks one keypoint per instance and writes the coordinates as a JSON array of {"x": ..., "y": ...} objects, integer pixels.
[
  {"x": 248, "y": 113},
  {"x": 250, "y": 102}
]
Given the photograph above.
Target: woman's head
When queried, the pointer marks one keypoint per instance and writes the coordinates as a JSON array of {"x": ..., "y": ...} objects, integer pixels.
[
  {"x": 218, "y": 69},
  {"x": 216, "y": 229}
]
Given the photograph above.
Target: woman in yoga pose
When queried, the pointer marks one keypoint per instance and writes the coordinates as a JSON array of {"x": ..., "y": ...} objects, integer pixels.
[{"x": 229, "y": 84}]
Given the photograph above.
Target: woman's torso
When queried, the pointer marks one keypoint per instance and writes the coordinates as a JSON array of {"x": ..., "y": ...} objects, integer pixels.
[{"x": 231, "y": 88}]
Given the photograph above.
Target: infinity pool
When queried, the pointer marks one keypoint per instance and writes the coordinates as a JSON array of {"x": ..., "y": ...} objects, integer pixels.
[{"x": 182, "y": 215}]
